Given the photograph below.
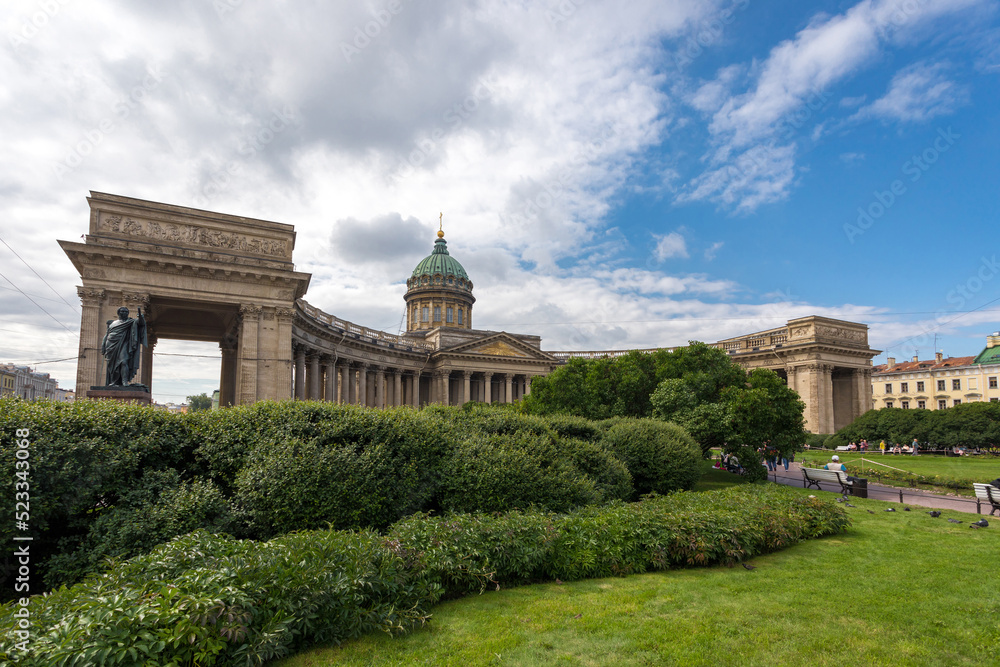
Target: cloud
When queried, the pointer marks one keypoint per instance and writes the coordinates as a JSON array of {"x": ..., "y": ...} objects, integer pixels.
[
  {"x": 916, "y": 94},
  {"x": 851, "y": 158},
  {"x": 669, "y": 245},
  {"x": 791, "y": 85},
  {"x": 713, "y": 250}
]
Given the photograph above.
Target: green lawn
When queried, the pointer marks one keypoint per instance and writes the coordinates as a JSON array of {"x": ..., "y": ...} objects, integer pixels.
[
  {"x": 980, "y": 468},
  {"x": 899, "y": 588}
]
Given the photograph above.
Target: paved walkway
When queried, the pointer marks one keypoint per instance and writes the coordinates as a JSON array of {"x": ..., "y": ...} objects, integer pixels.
[{"x": 915, "y": 497}]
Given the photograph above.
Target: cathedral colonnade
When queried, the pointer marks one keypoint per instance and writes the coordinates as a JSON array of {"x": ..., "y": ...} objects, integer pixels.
[{"x": 230, "y": 280}]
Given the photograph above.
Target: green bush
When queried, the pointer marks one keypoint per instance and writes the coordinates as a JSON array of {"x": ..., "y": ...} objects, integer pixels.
[
  {"x": 213, "y": 600},
  {"x": 496, "y": 473},
  {"x": 660, "y": 456},
  {"x": 160, "y": 508}
]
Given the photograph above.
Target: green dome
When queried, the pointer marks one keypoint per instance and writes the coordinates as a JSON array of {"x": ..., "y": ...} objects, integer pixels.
[{"x": 439, "y": 262}]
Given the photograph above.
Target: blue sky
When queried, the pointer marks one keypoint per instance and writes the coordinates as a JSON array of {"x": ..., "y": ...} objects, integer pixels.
[{"x": 612, "y": 175}]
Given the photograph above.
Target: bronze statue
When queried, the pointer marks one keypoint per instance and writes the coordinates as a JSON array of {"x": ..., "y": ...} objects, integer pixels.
[{"x": 122, "y": 346}]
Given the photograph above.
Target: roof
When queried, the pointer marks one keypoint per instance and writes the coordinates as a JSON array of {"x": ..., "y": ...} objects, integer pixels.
[
  {"x": 990, "y": 355},
  {"x": 925, "y": 365},
  {"x": 439, "y": 262}
]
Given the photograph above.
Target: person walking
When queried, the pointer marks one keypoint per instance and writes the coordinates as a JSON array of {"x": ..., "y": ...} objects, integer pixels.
[
  {"x": 881, "y": 446},
  {"x": 914, "y": 447}
]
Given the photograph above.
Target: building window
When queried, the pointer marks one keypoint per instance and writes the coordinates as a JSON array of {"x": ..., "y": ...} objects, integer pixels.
[
  {"x": 993, "y": 383},
  {"x": 922, "y": 405},
  {"x": 437, "y": 313},
  {"x": 904, "y": 387},
  {"x": 423, "y": 313},
  {"x": 920, "y": 386},
  {"x": 994, "y": 400},
  {"x": 956, "y": 385},
  {"x": 942, "y": 404},
  {"x": 460, "y": 316},
  {"x": 957, "y": 401},
  {"x": 888, "y": 404},
  {"x": 905, "y": 405},
  {"x": 450, "y": 315},
  {"x": 940, "y": 385},
  {"x": 888, "y": 387}
]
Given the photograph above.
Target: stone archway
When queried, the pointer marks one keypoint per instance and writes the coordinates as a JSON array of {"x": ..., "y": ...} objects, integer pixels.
[{"x": 199, "y": 276}]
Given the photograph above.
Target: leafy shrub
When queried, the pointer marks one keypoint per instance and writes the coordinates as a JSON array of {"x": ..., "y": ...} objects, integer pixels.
[
  {"x": 660, "y": 456},
  {"x": 496, "y": 473},
  {"x": 160, "y": 508},
  {"x": 212, "y": 600},
  {"x": 466, "y": 553}
]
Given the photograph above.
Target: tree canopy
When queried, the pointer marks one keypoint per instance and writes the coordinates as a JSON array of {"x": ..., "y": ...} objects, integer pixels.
[
  {"x": 199, "y": 402},
  {"x": 697, "y": 387}
]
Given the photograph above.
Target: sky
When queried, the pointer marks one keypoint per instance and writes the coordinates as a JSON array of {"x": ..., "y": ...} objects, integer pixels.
[{"x": 612, "y": 175}]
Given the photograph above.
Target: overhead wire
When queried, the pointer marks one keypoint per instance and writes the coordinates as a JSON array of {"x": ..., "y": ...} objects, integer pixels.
[{"x": 75, "y": 307}]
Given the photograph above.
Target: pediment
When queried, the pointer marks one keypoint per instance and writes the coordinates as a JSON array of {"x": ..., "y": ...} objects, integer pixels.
[{"x": 499, "y": 345}]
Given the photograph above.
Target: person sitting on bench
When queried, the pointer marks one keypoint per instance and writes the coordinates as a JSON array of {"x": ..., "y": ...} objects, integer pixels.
[{"x": 835, "y": 464}]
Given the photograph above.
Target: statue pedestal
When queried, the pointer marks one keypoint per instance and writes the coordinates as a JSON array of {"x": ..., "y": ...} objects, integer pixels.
[{"x": 137, "y": 393}]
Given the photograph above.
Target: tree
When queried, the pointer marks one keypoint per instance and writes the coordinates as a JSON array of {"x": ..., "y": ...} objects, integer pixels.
[
  {"x": 199, "y": 402},
  {"x": 764, "y": 412}
]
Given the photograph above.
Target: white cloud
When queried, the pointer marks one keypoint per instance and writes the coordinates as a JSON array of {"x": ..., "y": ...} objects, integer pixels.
[
  {"x": 791, "y": 85},
  {"x": 669, "y": 245},
  {"x": 916, "y": 94},
  {"x": 713, "y": 250}
]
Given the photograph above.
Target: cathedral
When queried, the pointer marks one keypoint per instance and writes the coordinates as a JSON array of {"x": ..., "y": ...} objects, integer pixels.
[{"x": 206, "y": 276}]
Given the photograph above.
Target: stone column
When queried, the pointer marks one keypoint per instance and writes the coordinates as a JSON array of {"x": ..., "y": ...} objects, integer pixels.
[
  {"x": 146, "y": 364},
  {"x": 268, "y": 356},
  {"x": 466, "y": 386},
  {"x": 330, "y": 368},
  {"x": 415, "y": 389},
  {"x": 508, "y": 388},
  {"x": 227, "y": 380},
  {"x": 527, "y": 385},
  {"x": 826, "y": 378},
  {"x": 300, "y": 373},
  {"x": 487, "y": 387},
  {"x": 380, "y": 387},
  {"x": 92, "y": 330},
  {"x": 862, "y": 391},
  {"x": 312, "y": 376},
  {"x": 281, "y": 371},
  {"x": 397, "y": 387},
  {"x": 363, "y": 384},
  {"x": 247, "y": 369},
  {"x": 352, "y": 385},
  {"x": 441, "y": 391},
  {"x": 345, "y": 383}
]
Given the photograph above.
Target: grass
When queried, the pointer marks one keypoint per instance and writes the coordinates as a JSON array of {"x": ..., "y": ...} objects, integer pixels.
[{"x": 899, "y": 588}]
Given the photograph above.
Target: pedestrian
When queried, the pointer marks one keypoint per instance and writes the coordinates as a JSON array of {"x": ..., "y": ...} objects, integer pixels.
[
  {"x": 914, "y": 447},
  {"x": 881, "y": 446}
]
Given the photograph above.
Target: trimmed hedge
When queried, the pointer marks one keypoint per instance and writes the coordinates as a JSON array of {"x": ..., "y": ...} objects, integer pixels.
[
  {"x": 109, "y": 480},
  {"x": 660, "y": 456},
  {"x": 213, "y": 600}
]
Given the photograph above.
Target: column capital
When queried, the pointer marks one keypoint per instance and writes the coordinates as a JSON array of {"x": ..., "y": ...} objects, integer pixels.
[
  {"x": 284, "y": 313},
  {"x": 90, "y": 296},
  {"x": 467, "y": 374},
  {"x": 250, "y": 310}
]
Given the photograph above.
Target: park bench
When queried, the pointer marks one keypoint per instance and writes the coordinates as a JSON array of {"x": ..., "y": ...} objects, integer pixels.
[
  {"x": 842, "y": 448},
  {"x": 990, "y": 494},
  {"x": 813, "y": 476}
]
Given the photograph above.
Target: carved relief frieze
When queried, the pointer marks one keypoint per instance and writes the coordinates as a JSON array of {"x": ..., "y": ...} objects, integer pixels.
[
  {"x": 799, "y": 332},
  {"x": 192, "y": 234},
  {"x": 844, "y": 334}
]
